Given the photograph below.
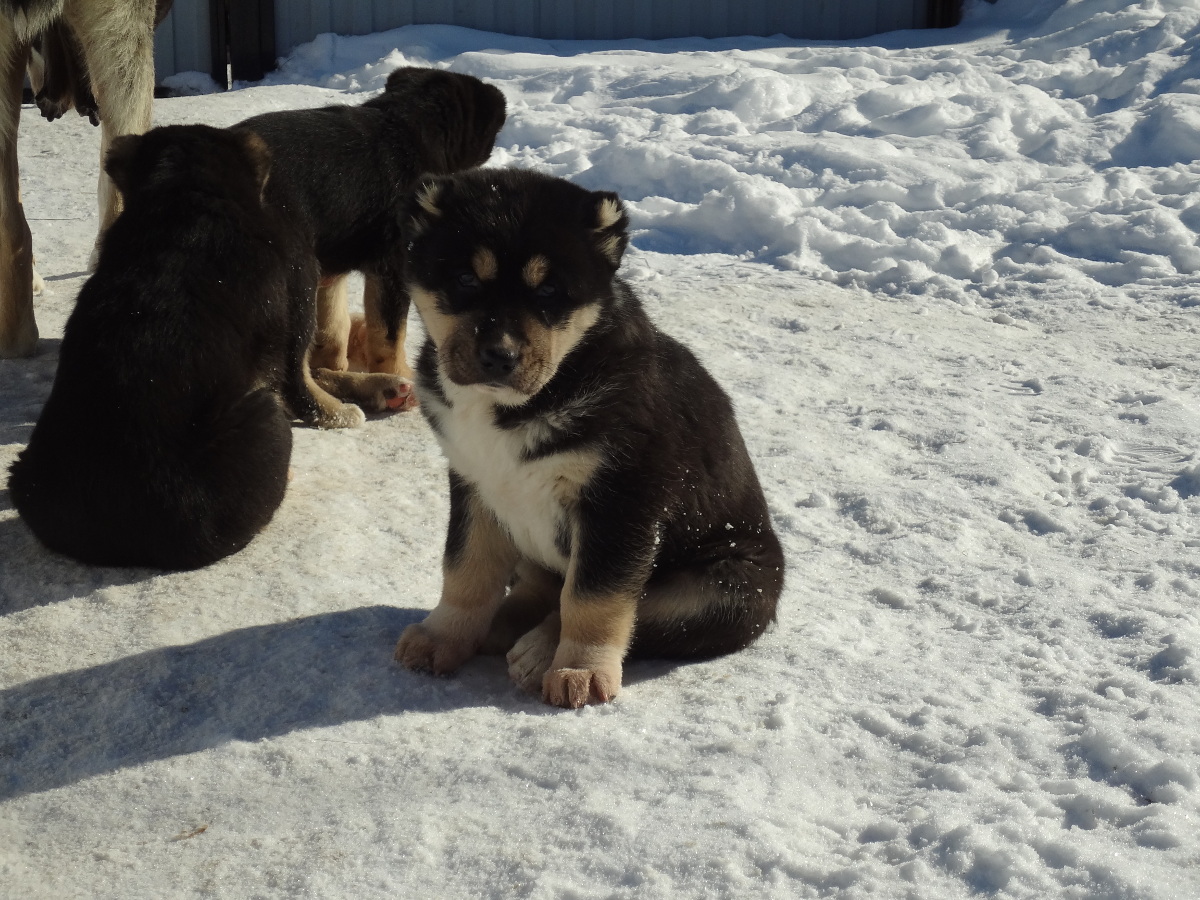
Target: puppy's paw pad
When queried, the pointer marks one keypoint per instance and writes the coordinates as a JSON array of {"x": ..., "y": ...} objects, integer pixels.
[
  {"x": 421, "y": 650},
  {"x": 379, "y": 392},
  {"x": 573, "y": 688},
  {"x": 400, "y": 397}
]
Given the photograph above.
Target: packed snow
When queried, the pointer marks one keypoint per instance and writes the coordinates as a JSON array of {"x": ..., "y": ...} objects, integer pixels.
[{"x": 947, "y": 278}]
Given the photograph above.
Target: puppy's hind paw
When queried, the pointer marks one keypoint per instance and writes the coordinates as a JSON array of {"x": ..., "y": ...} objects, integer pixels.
[
  {"x": 530, "y": 658},
  {"x": 375, "y": 392}
]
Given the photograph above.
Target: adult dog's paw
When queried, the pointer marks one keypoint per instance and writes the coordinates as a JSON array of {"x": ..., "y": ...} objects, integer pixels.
[
  {"x": 573, "y": 688},
  {"x": 423, "y": 650}
]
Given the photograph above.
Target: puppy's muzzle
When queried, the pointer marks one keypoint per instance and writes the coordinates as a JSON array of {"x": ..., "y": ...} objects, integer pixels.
[{"x": 498, "y": 360}]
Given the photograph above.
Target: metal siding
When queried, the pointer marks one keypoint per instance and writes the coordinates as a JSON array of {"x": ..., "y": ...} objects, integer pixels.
[{"x": 182, "y": 42}]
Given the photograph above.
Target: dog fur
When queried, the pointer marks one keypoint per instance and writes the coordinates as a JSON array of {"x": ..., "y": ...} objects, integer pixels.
[
  {"x": 115, "y": 41},
  {"x": 345, "y": 171},
  {"x": 602, "y": 501},
  {"x": 164, "y": 441}
]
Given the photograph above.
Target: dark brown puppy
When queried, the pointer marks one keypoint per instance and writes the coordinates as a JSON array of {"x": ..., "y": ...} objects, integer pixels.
[
  {"x": 344, "y": 173},
  {"x": 164, "y": 442},
  {"x": 602, "y": 500}
]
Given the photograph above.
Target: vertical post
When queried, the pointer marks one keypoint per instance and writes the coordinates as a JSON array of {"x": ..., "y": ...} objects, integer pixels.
[{"x": 243, "y": 39}]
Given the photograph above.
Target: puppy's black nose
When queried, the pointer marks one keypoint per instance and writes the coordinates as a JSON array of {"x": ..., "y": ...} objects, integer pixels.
[{"x": 497, "y": 361}]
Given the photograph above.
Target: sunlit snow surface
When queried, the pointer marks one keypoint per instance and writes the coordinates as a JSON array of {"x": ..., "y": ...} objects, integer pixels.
[{"x": 947, "y": 277}]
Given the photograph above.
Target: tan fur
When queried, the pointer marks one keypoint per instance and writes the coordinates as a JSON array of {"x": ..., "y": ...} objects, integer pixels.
[
  {"x": 437, "y": 325},
  {"x": 472, "y": 588},
  {"x": 587, "y": 665},
  {"x": 485, "y": 265},
  {"x": 611, "y": 247},
  {"x": 373, "y": 392},
  {"x": 575, "y": 470},
  {"x": 332, "y": 338},
  {"x": 345, "y": 342},
  {"x": 333, "y": 412},
  {"x": 18, "y": 330},
  {"x": 117, "y": 40},
  {"x": 383, "y": 355},
  {"x": 608, "y": 214},
  {"x": 563, "y": 341},
  {"x": 427, "y": 199},
  {"x": 534, "y": 272}
]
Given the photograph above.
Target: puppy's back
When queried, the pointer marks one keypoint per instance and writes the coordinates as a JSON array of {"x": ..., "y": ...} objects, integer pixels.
[{"x": 160, "y": 444}]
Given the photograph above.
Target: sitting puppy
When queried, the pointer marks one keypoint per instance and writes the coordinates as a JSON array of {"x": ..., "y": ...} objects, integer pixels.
[
  {"x": 344, "y": 172},
  {"x": 164, "y": 441},
  {"x": 602, "y": 500}
]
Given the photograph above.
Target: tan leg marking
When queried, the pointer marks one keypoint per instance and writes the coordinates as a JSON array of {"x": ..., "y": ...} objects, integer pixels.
[
  {"x": 587, "y": 666},
  {"x": 332, "y": 338},
  {"x": 472, "y": 588},
  {"x": 382, "y": 355}
]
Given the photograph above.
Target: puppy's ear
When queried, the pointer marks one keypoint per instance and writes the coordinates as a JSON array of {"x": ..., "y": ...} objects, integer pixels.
[
  {"x": 121, "y": 162},
  {"x": 402, "y": 79},
  {"x": 424, "y": 206},
  {"x": 260, "y": 158},
  {"x": 609, "y": 224}
]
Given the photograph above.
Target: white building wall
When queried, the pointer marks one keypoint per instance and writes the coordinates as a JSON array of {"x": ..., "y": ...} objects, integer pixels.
[{"x": 182, "y": 42}]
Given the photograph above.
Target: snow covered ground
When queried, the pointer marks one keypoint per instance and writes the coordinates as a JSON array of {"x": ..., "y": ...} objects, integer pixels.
[{"x": 948, "y": 278}]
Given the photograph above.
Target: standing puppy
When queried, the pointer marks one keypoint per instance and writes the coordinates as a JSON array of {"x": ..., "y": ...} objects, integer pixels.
[
  {"x": 601, "y": 497},
  {"x": 164, "y": 442},
  {"x": 343, "y": 173}
]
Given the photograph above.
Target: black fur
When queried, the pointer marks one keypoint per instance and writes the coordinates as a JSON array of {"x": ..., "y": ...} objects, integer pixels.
[
  {"x": 163, "y": 442},
  {"x": 676, "y": 500},
  {"x": 345, "y": 171}
]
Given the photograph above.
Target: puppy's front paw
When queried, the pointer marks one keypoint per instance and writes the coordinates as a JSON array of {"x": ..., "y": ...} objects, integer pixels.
[
  {"x": 573, "y": 688},
  {"x": 423, "y": 650}
]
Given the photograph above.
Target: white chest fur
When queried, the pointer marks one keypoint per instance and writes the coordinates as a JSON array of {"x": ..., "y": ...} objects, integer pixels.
[{"x": 532, "y": 499}]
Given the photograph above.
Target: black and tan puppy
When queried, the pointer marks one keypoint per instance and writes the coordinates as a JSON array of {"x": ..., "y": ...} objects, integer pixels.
[
  {"x": 602, "y": 500},
  {"x": 164, "y": 441},
  {"x": 344, "y": 172}
]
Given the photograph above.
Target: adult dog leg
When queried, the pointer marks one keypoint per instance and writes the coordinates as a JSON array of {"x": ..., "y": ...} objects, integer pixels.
[
  {"x": 117, "y": 39},
  {"x": 18, "y": 331}
]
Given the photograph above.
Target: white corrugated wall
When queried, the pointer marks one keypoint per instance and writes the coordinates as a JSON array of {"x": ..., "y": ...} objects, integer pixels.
[{"x": 182, "y": 42}]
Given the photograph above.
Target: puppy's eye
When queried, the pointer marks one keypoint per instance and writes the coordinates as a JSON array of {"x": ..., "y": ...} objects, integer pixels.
[
  {"x": 468, "y": 280},
  {"x": 548, "y": 290}
]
